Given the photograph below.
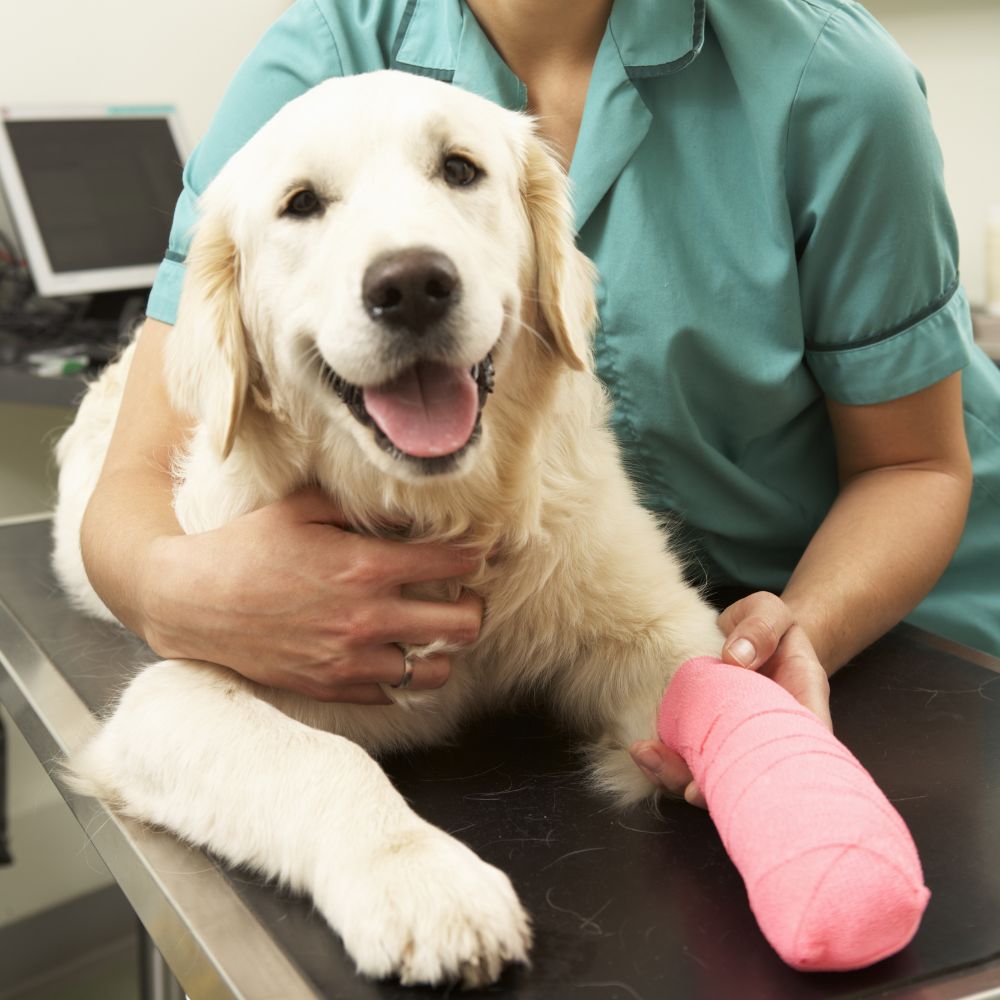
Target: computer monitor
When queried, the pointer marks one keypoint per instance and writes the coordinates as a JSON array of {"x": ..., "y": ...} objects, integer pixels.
[{"x": 91, "y": 192}]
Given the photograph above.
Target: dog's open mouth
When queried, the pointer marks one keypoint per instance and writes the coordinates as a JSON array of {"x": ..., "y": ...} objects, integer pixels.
[{"x": 431, "y": 412}]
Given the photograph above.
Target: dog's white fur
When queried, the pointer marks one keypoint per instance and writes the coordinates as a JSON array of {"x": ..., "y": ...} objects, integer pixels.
[{"x": 585, "y": 602}]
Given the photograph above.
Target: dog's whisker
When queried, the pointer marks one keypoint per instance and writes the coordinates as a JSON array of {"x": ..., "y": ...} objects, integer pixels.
[{"x": 310, "y": 353}]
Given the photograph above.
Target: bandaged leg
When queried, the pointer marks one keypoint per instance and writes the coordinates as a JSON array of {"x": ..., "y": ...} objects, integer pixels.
[{"x": 831, "y": 871}]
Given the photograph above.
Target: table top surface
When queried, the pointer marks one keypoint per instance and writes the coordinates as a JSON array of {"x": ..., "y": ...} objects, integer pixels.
[{"x": 624, "y": 905}]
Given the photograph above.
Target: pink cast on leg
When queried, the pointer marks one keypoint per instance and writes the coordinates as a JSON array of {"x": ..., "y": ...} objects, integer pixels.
[{"x": 831, "y": 871}]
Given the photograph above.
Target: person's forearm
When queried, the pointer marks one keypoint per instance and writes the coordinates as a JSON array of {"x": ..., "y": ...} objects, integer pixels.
[
  {"x": 132, "y": 504},
  {"x": 129, "y": 511},
  {"x": 879, "y": 551}
]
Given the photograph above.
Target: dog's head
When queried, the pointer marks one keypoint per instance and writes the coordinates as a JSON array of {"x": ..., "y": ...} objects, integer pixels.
[{"x": 369, "y": 262}]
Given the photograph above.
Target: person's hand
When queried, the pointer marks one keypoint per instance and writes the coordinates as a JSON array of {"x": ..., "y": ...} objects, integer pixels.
[
  {"x": 761, "y": 634},
  {"x": 289, "y": 598}
]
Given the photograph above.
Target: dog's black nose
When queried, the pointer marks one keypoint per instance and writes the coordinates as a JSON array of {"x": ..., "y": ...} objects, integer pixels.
[{"x": 411, "y": 288}]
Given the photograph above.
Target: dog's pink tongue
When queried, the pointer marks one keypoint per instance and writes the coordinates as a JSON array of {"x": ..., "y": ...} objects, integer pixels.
[{"x": 428, "y": 411}]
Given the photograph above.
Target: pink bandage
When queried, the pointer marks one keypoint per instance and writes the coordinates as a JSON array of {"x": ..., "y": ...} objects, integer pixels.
[{"x": 832, "y": 873}]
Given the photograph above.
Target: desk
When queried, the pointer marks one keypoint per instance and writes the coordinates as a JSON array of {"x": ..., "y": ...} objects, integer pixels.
[
  {"x": 625, "y": 906},
  {"x": 18, "y": 386}
]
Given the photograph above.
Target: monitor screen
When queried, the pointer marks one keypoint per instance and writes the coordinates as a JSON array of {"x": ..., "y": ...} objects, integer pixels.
[{"x": 92, "y": 194}]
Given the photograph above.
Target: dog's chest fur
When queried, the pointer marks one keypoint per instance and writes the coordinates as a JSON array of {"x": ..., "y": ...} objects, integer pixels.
[{"x": 544, "y": 534}]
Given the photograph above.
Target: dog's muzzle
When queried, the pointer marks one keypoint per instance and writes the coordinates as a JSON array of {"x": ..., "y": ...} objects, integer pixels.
[{"x": 429, "y": 415}]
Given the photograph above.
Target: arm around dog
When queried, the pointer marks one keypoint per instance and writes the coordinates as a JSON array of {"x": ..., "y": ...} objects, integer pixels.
[
  {"x": 132, "y": 503},
  {"x": 283, "y": 595}
]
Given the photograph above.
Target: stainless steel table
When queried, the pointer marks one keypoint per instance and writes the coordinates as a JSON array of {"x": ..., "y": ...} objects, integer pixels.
[{"x": 625, "y": 906}]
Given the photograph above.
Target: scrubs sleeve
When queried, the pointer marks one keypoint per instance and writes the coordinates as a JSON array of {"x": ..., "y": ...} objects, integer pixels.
[
  {"x": 295, "y": 54},
  {"x": 883, "y": 312}
]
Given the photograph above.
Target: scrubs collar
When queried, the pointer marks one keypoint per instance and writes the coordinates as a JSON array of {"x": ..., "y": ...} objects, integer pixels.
[
  {"x": 644, "y": 39},
  {"x": 652, "y": 37}
]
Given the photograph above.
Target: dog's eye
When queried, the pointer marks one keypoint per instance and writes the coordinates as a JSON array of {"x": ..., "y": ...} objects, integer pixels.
[
  {"x": 459, "y": 171},
  {"x": 302, "y": 204}
]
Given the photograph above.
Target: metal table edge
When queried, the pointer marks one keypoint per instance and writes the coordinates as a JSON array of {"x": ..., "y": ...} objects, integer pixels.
[
  {"x": 981, "y": 982},
  {"x": 210, "y": 940},
  {"x": 939, "y": 642}
]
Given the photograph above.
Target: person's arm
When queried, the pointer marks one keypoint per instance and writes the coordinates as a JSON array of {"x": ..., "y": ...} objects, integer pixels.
[
  {"x": 906, "y": 478},
  {"x": 905, "y": 483},
  {"x": 132, "y": 505},
  {"x": 284, "y": 595},
  {"x": 883, "y": 318}
]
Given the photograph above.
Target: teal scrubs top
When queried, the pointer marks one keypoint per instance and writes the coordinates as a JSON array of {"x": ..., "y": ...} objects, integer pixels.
[{"x": 761, "y": 190}]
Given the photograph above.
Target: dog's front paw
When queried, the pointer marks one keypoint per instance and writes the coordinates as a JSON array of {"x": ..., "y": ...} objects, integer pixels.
[
  {"x": 613, "y": 772},
  {"x": 426, "y": 909}
]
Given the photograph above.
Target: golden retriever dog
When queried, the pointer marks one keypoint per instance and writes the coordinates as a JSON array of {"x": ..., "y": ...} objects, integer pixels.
[{"x": 386, "y": 235}]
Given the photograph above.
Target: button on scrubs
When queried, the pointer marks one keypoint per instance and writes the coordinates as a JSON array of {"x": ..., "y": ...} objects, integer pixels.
[{"x": 761, "y": 191}]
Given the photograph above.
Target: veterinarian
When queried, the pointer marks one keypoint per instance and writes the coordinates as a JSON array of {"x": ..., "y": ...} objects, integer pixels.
[{"x": 782, "y": 330}]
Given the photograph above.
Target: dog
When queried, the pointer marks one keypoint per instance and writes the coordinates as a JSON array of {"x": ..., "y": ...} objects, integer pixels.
[{"x": 382, "y": 229}]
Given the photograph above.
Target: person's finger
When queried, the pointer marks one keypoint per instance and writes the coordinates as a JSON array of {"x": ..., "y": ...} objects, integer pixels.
[
  {"x": 376, "y": 665},
  {"x": 803, "y": 675},
  {"x": 425, "y": 675},
  {"x": 386, "y": 564},
  {"x": 694, "y": 797},
  {"x": 662, "y": 765},
  {"x": 382, "y": 562},
  {"x": 419, "y": 623},
  {"x": 754, "y": 627},
  {"x": 429, "y": 673},
  {"x": 355, "y": 694},
  {"x": 310, "y": 505},
  {"x": 364, "y": 665}
]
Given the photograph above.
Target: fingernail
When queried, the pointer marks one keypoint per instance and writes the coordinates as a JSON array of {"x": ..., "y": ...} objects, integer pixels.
[
  {"x": 650, "y": 760},
  {"x": 743, "y": 652},
  {"x": 691, "y": 793}
]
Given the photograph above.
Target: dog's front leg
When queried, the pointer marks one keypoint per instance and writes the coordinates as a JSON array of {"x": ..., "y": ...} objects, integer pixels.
[
  {"x": 191, "y": 748},
  {"x": 615, "y": 690}
]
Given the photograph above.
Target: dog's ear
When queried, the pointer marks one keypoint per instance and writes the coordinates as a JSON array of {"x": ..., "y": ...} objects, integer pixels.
[
  {"x": 564, "y": 278},
  {"x": 208, "y": 360}
]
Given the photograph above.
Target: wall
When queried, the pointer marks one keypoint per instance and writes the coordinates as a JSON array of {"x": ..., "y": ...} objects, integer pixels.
[
  {"x": 127, "y": 52},
  {"x": 956, "y": 45}
]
